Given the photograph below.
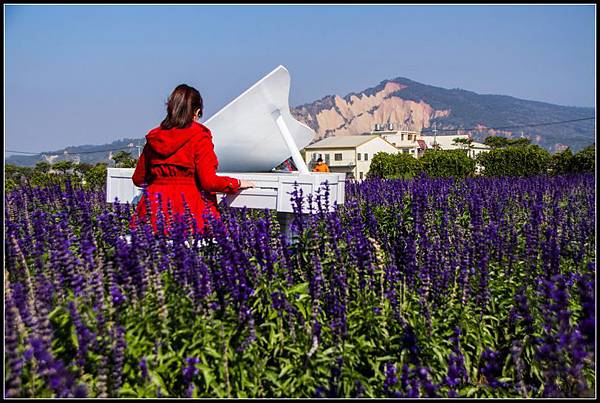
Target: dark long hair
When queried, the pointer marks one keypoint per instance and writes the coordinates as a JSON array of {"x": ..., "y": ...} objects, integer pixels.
[{"x": 182, "y": 104}]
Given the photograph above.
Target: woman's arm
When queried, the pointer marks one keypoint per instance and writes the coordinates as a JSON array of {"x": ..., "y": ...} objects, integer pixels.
[
  {"x": 141, "y": 169},
  {"x": 206, "y": 163}
]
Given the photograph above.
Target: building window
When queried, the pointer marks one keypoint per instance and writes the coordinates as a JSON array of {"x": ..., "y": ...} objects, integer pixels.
[
  {"x": 338, "y": 157},
  {"x": 360, "y": 174},
  {"x": 326, "y": 159},
  {"x": 402, "y": 137},
  {"x": 366, "y": 157},
  {"x": 405, "y": 150},
  {"x": 359, "y": 154}
]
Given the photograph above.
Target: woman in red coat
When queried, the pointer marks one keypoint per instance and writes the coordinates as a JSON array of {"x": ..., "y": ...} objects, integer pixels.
[{"x": 179, "y": 163}]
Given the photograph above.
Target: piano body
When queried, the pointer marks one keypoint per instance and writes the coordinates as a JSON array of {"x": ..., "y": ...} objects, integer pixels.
[{"x": 252, "y": 134}]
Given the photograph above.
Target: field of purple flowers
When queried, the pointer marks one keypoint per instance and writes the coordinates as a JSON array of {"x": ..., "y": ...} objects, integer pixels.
[{"x": 423, "y": 288}]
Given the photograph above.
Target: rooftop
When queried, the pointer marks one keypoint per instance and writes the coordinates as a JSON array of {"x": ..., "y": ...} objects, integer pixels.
[
  {"x": 443, "y": 141},
  {"x": 447, "y": 142},
  {"x": 342, "y": 142},
  {"x": 475, "y": 144}
]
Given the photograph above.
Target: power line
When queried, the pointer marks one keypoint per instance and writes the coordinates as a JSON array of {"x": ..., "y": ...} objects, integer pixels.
[
  {"x": 512, "y": 127},
  {"x": 70, "y": 153},
  {"x": 20, "y": 152}
]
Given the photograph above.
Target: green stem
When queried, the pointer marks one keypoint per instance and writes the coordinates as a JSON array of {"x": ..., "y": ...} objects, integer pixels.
[{"x": 225, "y": 363}]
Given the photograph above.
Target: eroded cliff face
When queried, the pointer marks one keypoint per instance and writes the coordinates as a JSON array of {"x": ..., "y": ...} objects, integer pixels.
[{"x": 358, "y": 113}]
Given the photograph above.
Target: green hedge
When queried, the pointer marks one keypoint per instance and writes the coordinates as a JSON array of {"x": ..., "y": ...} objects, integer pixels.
[
  {"x": 394, "y": 166},
  {"x": 515, "y": 161},
  {"x": 435, "y": 163},
  {"x": 584, "y": 160},
  {"x": 447, "y": 163},
  {"x": 91, "y": 177}
]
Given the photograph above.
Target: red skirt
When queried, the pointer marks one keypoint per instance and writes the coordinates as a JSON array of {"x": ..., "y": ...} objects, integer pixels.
[{"x": 179, "y": 192}]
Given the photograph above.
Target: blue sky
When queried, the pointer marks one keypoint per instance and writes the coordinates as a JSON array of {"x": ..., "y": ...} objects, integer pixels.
[{"x": 94, "y": 74}]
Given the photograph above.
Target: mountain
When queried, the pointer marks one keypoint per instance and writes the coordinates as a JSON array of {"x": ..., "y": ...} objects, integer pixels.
[
  {"x": 90, "y": 154},
  {"x": 409, "y": 105}
]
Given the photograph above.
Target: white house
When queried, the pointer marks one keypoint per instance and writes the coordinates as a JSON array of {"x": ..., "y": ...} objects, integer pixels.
[
  {"x": 349, "y": 154},
  {"x": 444, "y": 142},
  {"x": 406, "y": 141},
  {"x": 476, "y": 148},
  {"x": 447, "y": 143}
]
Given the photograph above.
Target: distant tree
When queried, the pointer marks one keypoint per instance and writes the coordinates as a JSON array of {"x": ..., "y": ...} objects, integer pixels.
[
  {"x": 515, "y": 161},
  {"x": 124, "y": 159},
  {"x": 62, "y": 166},
  {"x": 394, "y": 166},
  {"x": 496, "y": 141},
  {"x": 81, "y": 168},
  {"x": 447, "y": 163},
  {"x": 501, "y": 142},
  {"x": 560, "y": 162},
  {"x": 42, "y": 166},
  {"x": 519, "y": 142},
  {"x": 13, "y": 172},
  {"x": 41, "y": 175},
  {"x": 10, "y": 170},
  {"x": 584, "y": 160},
  {"x": 95, "y": 177},
  {"x": 464, "y": 143}
]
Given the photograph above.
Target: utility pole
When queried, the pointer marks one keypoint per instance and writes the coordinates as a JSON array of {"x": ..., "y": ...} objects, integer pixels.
[{"x": 434, "y": 134}]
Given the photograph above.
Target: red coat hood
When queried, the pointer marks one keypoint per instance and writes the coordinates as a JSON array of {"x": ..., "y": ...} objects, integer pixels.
[{"x": 166, "y": 142}]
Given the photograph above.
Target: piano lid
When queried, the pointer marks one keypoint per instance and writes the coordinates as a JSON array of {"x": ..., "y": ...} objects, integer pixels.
[{"x": 245, "y": 133}]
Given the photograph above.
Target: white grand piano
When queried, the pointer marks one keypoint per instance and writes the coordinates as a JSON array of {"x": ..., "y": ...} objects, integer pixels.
[{"x": 253, "y": 134}]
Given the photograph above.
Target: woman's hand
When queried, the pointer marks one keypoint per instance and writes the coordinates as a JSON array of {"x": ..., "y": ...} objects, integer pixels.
[{"x": 244, "y": 184}]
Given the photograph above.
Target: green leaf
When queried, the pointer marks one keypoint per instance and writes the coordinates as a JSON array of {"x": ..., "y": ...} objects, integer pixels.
[
  {"x": 285, "y": 370},
  {"x": 212, "y": 352},
  {"x": 471, "y": 391},
  {"x": 127, "y": 391},
  {"x": 301, "y": 288},
  {"x": 55, "y": 312}
]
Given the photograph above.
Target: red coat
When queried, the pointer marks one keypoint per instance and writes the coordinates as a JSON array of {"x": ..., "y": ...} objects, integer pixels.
[{"x": 180, "y": 164}]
